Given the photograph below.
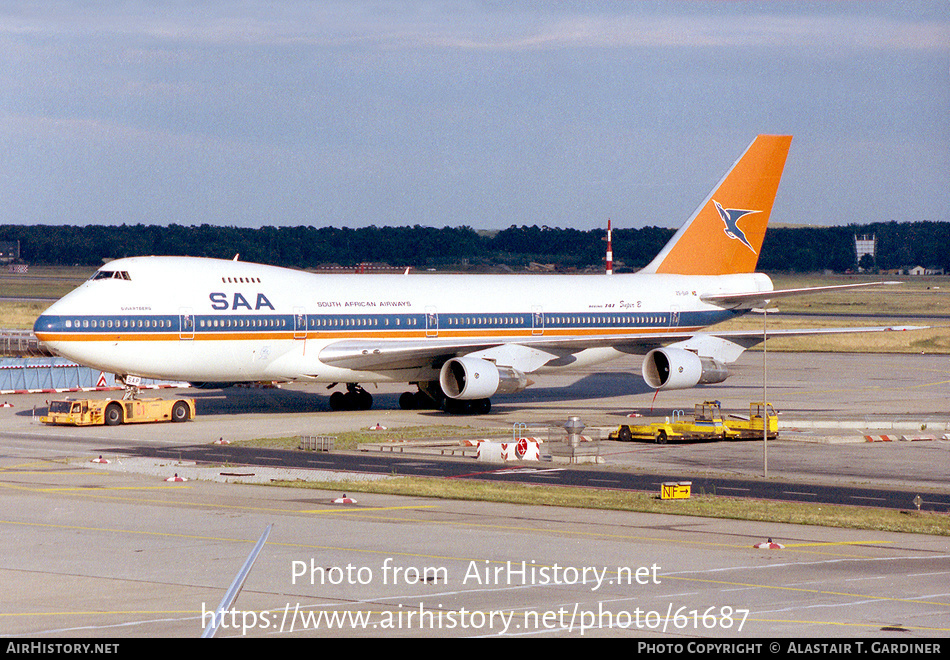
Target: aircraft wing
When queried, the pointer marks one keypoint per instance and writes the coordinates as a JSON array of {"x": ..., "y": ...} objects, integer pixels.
[
  {"x": 367, "y": 354},
  {"x": 527, "y": 354}
]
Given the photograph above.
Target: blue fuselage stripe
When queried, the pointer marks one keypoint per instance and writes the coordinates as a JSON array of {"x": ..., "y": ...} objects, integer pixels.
[{"x": 461, "y": 323}]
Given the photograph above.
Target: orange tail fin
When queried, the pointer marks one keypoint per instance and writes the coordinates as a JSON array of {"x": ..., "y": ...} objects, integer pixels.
[{"x": 725, "y": 234}]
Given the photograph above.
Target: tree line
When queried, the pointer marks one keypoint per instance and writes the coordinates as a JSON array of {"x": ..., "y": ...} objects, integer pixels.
[{"x": 786, "y": 249}]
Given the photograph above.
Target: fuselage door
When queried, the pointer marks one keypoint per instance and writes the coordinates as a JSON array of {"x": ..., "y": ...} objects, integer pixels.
[
  {"x": 537, "y": 320},
  {"x": 300, "y": 323},
  {"x": 432, "y": 322},
  {"x": 186, "y": 323},
  {"x": 674, "y": 317}
]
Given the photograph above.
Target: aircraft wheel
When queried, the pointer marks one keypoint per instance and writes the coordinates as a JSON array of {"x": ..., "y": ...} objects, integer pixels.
[
  {"x": 180, "y": 412},
  {"x": 361, "y": 399},
  {"x": 416, "y": 401},
  {"x": 338, "y": 401},
  {"x": 454, "y": 406},
  {"x": 113, "y": 416},
  {"x": 467, "y": 406},
  {"x": 353, "y": 399},
  {"x": 424, "y": 401}
]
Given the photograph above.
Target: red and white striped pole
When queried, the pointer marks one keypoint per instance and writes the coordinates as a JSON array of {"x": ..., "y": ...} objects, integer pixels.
[{"x": 610, "y": 250}]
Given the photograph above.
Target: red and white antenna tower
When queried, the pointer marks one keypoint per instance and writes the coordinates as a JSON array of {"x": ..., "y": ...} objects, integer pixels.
[{"x": 610, "y": 250}]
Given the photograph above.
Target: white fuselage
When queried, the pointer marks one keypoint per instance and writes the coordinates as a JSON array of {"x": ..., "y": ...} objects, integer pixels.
[{"x": 212, "y": 320}]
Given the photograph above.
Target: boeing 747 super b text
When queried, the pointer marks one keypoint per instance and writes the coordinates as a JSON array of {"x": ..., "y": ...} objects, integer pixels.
[{"x": 459, "y": 338}]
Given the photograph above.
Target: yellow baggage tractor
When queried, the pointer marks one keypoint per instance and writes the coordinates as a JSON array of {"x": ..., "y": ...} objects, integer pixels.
[{"x": 707, "y": 424}]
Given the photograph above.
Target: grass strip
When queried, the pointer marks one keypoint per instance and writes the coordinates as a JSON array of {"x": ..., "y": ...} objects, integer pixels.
[{"x": 704, "y": 506}]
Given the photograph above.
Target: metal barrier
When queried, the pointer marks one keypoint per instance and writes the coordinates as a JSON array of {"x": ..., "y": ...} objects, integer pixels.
[
  {"x": 317, "y": 442},
  {"x": 21, "y": 343},
  {"x": 32, "y": 375}
]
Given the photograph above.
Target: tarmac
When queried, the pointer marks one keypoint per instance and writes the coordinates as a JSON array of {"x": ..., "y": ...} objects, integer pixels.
[
  {"x": 116, "y": 551},
  {"x": 886, "y": 416}
]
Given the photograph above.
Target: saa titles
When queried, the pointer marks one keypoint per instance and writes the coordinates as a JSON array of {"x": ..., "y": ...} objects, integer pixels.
[{"x": 219, "y": 301}]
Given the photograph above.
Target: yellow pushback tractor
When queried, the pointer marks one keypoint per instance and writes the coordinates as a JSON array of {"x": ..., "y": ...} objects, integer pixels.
[{"x": 111, "y": 412}]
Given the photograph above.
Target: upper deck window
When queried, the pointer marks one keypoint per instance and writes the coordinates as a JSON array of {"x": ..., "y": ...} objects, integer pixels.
[{"x": 241, "y": 280}]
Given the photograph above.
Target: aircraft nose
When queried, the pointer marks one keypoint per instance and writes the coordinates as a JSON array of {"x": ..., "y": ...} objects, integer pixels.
[
  {"x": 56, "y": 327},
  {"x": 41, "y": 324},
  {"x": 46, "y": 329},
  {"x": 44, "y": 324},
  {"x": 54, "y": 321}
]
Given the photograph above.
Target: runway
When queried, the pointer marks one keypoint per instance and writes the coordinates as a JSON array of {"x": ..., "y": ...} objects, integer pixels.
[{"x": 90, "y": 552}]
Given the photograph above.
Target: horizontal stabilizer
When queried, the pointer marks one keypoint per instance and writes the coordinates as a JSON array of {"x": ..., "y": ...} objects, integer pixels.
[
  {"x": 752, "y": 299},
  {"x": 751, "y": 338}
]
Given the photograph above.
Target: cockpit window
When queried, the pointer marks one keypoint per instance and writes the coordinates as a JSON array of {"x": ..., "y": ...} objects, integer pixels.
[{"x": 111, "y": 275}]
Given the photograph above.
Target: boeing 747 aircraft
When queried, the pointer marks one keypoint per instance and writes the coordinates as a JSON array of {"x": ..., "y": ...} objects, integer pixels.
[{"x": 459, "y": 338}]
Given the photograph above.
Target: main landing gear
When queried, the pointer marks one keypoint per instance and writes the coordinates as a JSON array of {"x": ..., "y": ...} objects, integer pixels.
[
  {"x": 431, "y": 397},
  {"x": 355, "y": 398},
  {"x": 469, "y": 407}
]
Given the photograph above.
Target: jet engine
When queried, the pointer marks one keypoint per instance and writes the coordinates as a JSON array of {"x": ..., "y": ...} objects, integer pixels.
[
  {"x": 474, "y": 378},
  {"x": 675, "y": 369}
]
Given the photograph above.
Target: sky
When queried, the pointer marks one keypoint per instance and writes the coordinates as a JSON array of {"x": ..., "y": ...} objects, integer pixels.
[{"x": 464, "y": 113}]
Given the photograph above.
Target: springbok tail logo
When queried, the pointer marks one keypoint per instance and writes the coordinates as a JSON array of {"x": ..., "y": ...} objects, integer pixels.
[
  {"x": 698, "y": 248},
  {"x": 731, "y": 218}
]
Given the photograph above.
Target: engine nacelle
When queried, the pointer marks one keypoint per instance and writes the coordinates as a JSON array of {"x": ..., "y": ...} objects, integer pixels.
[
  {"x": 474, "y": 378},
  {"x": 675, "y": 369}
]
